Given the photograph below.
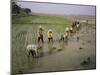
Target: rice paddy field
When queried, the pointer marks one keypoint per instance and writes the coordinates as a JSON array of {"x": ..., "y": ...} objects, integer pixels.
[{"x": 56, "y": 56}]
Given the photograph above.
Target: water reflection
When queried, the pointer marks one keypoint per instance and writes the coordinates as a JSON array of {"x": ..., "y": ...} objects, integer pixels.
[
  {"x": 62, "y": 45},
  {"x": 32, "y": 63},
  {"x": 50, "y": 48},
  {"x": 40, "y": 49},
  {"x": 57, "y": 46}
]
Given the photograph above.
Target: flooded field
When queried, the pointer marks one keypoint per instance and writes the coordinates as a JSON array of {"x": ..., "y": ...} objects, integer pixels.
[{"x": 57, "y": 56}]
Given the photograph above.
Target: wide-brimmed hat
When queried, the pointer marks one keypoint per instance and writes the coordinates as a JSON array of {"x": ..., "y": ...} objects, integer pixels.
[
  {"x": 40, "y": 26},
  {"x": 50, "y": 30},
  {"x": 66, "y": 29}
]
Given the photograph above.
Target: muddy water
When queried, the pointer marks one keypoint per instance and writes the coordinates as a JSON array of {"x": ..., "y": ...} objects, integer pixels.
[
  {"x": 66, "y": 55},
  {"x": 70, "y": 55}
]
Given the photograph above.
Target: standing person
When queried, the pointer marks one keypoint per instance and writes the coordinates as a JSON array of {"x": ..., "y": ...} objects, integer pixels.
[
  {"x": 66, "y": 36},
  {"x": 71, "y": 29},
  {"x": 77, "y": 31},
  {"x": 67, "y": 32},
  {"x": 40, "y": 34},
  {"x": 77, "y": 26},
  {"x": 67, "y": 29},
  {"x": 50, "y": 35}
]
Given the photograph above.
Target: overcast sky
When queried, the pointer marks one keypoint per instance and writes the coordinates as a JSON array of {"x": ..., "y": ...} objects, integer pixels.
[{"x": 59, "y": 9}]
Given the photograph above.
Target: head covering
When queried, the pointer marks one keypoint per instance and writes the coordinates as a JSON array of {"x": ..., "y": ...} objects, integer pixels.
[
  {"x": 40, "y": 26},
  {"x": 71, "y": 28},
  {"x": 50, "y": 30},
  {"x": 66, "y": 29}
]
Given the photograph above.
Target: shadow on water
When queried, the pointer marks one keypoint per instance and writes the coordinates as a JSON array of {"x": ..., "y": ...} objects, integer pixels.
[
  {"x": 40, "y": 49},
  {"x": 62, "y": 45},
  {"x": 46, "y": 49},
  {"x": 56, "y": 47},
  {"x": 50, "y": 48},
  {"x": 32, "y": 62}
]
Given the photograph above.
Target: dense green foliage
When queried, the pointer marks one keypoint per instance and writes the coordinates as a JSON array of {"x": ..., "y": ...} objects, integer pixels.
[{"x": 17, "y": 10}]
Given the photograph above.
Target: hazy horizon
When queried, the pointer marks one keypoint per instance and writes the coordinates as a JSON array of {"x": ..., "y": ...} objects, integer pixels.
[{"x": 58, "y": 9}]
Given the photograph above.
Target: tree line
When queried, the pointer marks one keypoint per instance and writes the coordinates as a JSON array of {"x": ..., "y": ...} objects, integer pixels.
[{"x": 17, "y": 10}]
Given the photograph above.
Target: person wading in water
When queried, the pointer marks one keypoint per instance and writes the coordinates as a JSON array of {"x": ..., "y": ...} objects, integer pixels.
[{"x": 40, "y": 34}]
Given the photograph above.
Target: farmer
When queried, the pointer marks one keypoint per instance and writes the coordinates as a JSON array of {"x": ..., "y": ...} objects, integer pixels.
[
  {"x": 78, "y": 26},
  {"x": 32, "y": 50},
  {"x": 67, "y": 29},
  {"x": 62, "y": 37},
  {"x": 66, "y": 34},
  {"x": 71, "y": 29},
  {"x": 74, "y": 24},
  {"x": 50, "y": 35},
  {"x": 40, "y": 34}
]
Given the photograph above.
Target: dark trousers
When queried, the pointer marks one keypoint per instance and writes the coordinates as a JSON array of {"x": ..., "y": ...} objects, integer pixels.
[
  {"x": 32, "y": 52},
  {"x": 50, "y": 39},
  {"x": 62, "y": 38},
  {"x": 40, "y": 38}
]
